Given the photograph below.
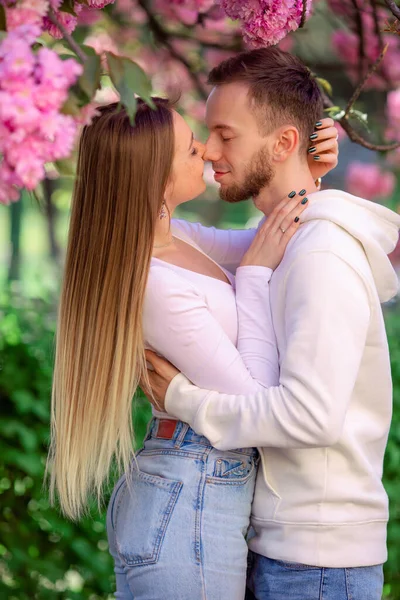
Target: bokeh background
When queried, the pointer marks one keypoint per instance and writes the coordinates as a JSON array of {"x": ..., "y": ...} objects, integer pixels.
[{"x": 43, "y": 556}]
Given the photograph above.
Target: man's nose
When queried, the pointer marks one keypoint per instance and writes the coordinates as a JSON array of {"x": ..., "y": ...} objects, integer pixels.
[{"x": 212, "y": 152}]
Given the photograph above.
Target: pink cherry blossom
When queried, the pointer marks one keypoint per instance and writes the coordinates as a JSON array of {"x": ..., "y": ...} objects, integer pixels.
[
  {"x": 33, "y": 88},
  {"x": 369, "y": 181},
  {"x": 346, "y": 45},
  {"x": 99, "y": 3},
  {"x": 393, "y": 108},
  {"x": 89, "y": 16},
  {"x": 66, "y": 19},
  {"x": 102, "y": 42},
  {"x": 266, "y": 22},
  {"x": 185, "y": 11}
]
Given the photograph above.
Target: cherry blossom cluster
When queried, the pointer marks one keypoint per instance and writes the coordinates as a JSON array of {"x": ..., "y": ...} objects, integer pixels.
[
  {"x": 36, "y": 12},
  {"x": 266, "y": 22},
  {"x": 185, "y": 11},
  {"x": 346, "y": 43},
  {"x": 33, "y": 88},
  {"x": 369, "y": 181}
]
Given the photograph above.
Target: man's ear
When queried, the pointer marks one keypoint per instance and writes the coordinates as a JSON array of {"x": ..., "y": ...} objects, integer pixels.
[{"x": 286, "y": 143}]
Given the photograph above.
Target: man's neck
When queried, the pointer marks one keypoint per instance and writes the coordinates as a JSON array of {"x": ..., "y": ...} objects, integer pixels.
[{"x": 281, "y": 186}]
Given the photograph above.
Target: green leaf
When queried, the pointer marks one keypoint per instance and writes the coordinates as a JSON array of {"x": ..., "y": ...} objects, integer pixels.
[
  {"x": 335, "y": 112},
  {"x": 3, "y": 23},
  {"x": 65, "y": 167},
  {"x": 68, "y": 7},
  {"x": 89, "y": 81},
  {"x": 326, "y": 86},
  {"x": 129, "y": 79},
  {"x": 88, "y": 50},
  {"x": 71, "y": 105},
  {"x": 360, "y": 116}
]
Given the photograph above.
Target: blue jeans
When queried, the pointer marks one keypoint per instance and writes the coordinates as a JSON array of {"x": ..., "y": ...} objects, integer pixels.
[
  {"x": 278, "y": 580},
  {"x": 179, "y": 532}
]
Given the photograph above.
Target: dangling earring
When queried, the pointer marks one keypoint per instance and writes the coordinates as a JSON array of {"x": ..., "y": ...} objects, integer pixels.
[{"x": 163, "y": 213}]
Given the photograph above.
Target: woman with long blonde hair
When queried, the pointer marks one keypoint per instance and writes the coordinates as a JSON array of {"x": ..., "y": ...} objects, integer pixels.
[{"x": 134, "y": 279}]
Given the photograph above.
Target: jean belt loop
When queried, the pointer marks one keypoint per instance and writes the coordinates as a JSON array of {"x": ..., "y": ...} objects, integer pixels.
[
  {"x": 181, "y": 435},
  {"x": 150, "y": 428}
]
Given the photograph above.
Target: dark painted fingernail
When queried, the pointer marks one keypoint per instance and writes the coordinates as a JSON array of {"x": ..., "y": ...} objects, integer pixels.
[
  {"x": 312, "y": 149},
  {"x": 316, "y": 157},
  {"x": 313, "y": 136},
  {"x": 318, "y": 124},
  {"x": 304, "y": 201},
  {"x": 292, "y": 194},
  {"x": 302, "y": 192},
  {"x": 297, "y": 219}
]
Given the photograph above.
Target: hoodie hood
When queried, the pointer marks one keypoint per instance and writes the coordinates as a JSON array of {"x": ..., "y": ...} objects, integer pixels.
[{"x": 374, "y": 226}]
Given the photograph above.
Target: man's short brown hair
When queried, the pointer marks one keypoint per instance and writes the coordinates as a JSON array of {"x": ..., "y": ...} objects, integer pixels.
[{"x": 282, "y": 89}]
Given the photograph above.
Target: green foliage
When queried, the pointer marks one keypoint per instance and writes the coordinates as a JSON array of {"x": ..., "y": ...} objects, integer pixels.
[
  {"x": 129, "y": 79},
  {"x": 392, "y": 462},
  {"x": 42, "y": 555}
]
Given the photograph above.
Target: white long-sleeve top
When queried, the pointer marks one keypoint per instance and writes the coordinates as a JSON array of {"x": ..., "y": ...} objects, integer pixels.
[
  {"x": 319, "y": 498},
  {"x": 193, "y": 320}
]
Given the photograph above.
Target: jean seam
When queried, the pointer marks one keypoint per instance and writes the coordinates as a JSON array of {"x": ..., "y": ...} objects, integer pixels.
[
  {"x": 198, "y": 522},
  {"x": 173, "y": 452},
  {"x": 321, "y": 589},
  {"x": 348, "y": 593}
]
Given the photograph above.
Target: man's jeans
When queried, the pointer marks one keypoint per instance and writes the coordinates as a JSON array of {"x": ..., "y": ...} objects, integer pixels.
[{"x": 277, "y": 580}]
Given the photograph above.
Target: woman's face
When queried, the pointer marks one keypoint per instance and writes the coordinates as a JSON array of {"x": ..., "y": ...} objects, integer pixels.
[{"x": 186, "y": 181}]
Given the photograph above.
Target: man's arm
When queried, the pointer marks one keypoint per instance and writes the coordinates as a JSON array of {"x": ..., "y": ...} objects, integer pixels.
[{"x": 326, "y": 317}]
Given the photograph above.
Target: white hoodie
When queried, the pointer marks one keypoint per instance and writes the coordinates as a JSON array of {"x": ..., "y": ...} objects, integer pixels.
[{"x": 323, "y": 429}]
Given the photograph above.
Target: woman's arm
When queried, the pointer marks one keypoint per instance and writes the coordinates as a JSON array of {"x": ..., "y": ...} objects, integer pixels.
[
  {"x": 225, "y": 246},
  {"x": 179, "y": 326}
]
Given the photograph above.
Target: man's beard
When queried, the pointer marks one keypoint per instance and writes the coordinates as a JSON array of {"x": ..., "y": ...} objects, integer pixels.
[{"x": 258, "y": 175}]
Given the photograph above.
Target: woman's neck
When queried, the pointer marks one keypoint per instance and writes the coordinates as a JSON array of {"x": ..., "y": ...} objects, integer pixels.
[{"x": 163, "y": 234}]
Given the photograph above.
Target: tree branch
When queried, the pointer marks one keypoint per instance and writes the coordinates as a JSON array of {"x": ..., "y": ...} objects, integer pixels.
[
  {"x": 379, "y": 35},
  {"x": 235, "y": 46},
  {"x": 391, "y": 4},
  {"x": 362, "y": 83},
  {"x": 67, "y": 36},
  {"x": 344, "y": 121},
  {"x": 361, "y": 38},
  {"x": 303, "y": 14},
  {"x": 162, "y": 36}
]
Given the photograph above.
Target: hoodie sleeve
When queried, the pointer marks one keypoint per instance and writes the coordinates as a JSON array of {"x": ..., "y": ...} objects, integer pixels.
[
  {"x": 327, "y": 317},
  {"x": 224, "y": 246}
]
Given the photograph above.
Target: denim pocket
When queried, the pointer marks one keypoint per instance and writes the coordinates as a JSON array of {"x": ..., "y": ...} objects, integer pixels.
[
  {"x": 142, "y": 514},
  {"x": 231, "y": 469}
]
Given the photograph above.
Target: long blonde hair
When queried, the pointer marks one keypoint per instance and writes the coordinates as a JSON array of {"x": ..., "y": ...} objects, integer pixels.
[{"x": 122, "y": 174}]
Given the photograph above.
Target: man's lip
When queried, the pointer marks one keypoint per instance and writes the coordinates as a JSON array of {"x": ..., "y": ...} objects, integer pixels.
[{"x": 219, "y": 174}]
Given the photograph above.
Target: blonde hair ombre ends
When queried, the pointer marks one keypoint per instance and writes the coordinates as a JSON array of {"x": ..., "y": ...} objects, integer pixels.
[{"x": 122, "y": 174}]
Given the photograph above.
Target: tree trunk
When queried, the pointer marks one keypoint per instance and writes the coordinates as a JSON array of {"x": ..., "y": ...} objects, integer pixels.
[
  {"x": 51, "y": 217},
  {"x": 16, "y": 210}
]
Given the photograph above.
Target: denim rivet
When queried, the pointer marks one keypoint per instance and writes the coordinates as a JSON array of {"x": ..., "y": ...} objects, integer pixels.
[{"x": 219, "y": 461}]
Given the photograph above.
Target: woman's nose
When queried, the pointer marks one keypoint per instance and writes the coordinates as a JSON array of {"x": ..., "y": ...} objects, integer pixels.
[{"x": 201, "y": 150}]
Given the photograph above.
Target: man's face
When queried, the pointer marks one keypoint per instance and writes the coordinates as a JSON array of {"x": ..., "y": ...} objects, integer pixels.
[{"x": 239, "y": 153}]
